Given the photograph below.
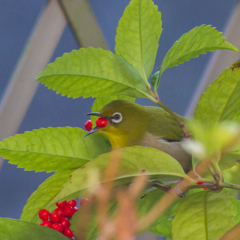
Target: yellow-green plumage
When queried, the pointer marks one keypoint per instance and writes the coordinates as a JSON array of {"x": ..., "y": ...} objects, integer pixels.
[
  {"x": 144, "y": 126},
  {"x": 138, "y": 119}
]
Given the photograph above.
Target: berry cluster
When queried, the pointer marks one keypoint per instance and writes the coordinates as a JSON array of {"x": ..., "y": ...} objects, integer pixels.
[
  {"x": 100, "y": 122},
  {"x": 59, "y": 218}
]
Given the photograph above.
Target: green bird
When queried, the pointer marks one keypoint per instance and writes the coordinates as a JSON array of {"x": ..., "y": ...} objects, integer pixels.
[{"x": 129, "y": 124}]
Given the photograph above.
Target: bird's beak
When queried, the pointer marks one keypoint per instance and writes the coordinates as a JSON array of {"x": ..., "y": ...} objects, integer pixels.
[
  {"x": 94, "y": 114},
  {"x": 91, "y": 131}
]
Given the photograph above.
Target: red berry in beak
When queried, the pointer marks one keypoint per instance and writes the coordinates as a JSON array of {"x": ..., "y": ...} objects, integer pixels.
[
  {"x": 101, "y": 122},
  {"x": 88, "y": 125}
]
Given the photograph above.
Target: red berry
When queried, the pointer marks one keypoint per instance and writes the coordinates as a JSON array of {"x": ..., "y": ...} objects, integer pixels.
[
  {"x": 68, "y": 211},
  {"x": 72, "y": 203},
  {"x": 101, "y": 122},
  {"x": 54, "y": 217},
  {"x": 61, "y": 204},
  {"x": 84, "y": 201},
  {"x": 57, "y": 226},
  {"x": 68, "y": 232},
  {"x": 75, "y": 209},
  {"x": 46, "y": 223},
  {"x": 43, "y": 214},
  {"x": 65, "y": 222},
  {"x": 59, "y": 211},
  {"x": 88, "y": 125}
]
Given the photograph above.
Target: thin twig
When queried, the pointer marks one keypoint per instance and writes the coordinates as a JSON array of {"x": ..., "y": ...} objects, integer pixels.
[
  {"x": 160, "y": 207},
  {"x": 104, "y": 195}
]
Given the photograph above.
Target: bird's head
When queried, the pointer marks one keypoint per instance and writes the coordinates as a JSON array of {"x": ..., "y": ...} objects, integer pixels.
[{"x": 121, "y": 122}]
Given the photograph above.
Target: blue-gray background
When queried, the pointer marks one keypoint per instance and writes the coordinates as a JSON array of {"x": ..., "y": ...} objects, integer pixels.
[{"x": 17, "y": 20}]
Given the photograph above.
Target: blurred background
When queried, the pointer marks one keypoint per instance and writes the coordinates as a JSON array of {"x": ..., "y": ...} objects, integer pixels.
[{"x": 178, "y": 85}]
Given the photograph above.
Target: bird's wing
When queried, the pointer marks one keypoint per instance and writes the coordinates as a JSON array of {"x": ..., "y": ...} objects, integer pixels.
[{"x": 174, "y": 149}]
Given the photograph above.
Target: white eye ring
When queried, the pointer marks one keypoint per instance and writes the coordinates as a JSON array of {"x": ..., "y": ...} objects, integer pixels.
[{"x": 117, "y": 117}]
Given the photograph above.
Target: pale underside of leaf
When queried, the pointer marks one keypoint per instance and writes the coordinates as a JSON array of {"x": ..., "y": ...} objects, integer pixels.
[
  {"x": 134, "y": 160},
  {"x": 93, "y": 73},
  {"x": 138, "y": 33},
  {"x": 41, "y": 198},
  {"x": 197, "y": 41},
  {"x": 203, "y": 216},
  {"x": 53, "y": 149}
]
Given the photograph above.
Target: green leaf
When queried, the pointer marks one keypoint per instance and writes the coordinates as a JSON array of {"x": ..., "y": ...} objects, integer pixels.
[
  {"x": 138, "y": 33},
  {"x": 53, "y": 149},
  {"x": 236, "y": 209},
  {"x": 197, "y": 41},
  {"x": 93, "y": 73},
  {"x": 157, "y": 164},
  {"x": 44, "y": 194},
  {"x": 204, "y": 215},
  {"x": 163, "y": 225},
  {"x": 154, "y": 78},
  {"x": 100, "y": 102},
  {"x": 232, "y": 175},
  {"x": 221, "y": 101},
  {"x": 209, "y": 139},
  {"x": 91, "y": 230},
  {"x": 11, "y": 229}
]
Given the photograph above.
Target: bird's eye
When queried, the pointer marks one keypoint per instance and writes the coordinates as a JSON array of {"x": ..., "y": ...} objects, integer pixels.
[{"x": 117, "y": 117}]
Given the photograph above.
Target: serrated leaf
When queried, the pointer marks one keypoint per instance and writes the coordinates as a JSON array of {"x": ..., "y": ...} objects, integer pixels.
[
  {"x": 197, "y": 41},
  {"x": 100, "y": 102},
  {"x": 11, "y": 229},
  {"x": 93, "y": 73},
  {"x": 41, "y": 198},
  {"x": 53, "y": 149},
  {"x": 157, "y": 164},
  {"x": 221, "y": 101},
  {"x": 138, "y": 33},
  {"x": 204, "y": 215}
]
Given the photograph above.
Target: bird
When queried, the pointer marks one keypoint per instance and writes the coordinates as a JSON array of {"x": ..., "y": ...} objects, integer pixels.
[{"x": 129, "y": 124}]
